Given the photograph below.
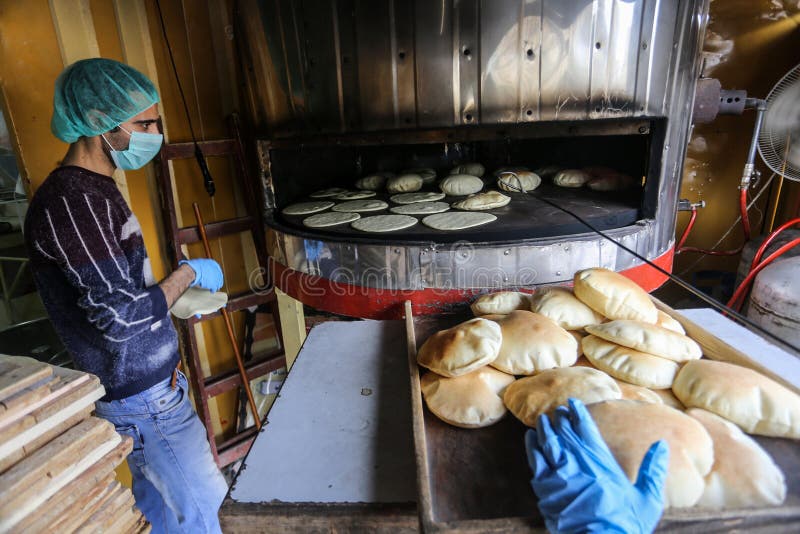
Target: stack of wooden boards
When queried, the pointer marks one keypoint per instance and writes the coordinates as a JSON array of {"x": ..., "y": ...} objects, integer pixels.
[{"x": 57, "y": 461}]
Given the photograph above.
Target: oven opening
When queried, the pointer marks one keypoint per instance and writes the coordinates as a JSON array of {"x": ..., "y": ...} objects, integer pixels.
[{"x": 298, "y": 169}]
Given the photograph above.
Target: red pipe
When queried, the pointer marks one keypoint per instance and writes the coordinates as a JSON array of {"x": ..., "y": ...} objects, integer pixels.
[
  {"x": 770, "y": 238},
  {"x": 734, "y": 252},
  {"x": 687, "y": 230},
  {"x": 745, "y": 285}
]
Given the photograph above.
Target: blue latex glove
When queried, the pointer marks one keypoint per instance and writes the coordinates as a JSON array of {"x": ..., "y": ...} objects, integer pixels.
[
  {"x": 207, "y": 273},
  {"x": 580, "y": 486}
]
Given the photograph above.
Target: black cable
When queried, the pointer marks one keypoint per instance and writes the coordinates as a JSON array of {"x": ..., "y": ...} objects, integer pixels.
[
  {"x": 208, "y": 180},
  {"x": 682, "y": 283}
]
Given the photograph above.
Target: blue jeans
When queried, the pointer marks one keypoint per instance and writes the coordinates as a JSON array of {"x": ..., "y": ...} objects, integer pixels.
[{"x": 176, "y": 483}]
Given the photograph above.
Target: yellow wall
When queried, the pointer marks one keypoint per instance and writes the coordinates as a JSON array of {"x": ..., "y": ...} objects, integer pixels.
[
  {"x": 750, "y": 44},
  {"x": 30, "y": 61}
]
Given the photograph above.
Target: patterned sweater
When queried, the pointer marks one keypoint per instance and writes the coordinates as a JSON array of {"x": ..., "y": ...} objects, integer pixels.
[{"x": 90, "y": 265}]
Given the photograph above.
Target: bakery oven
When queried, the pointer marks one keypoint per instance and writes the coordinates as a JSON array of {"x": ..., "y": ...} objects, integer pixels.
[{"x": 338, "y": 90}]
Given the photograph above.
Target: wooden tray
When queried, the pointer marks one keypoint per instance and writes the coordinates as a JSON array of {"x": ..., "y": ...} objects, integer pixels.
[{"x": 479, "y": 480}]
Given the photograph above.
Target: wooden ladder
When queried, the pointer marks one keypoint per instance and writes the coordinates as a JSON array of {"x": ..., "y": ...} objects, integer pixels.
[{"x": 206, "y": 387}]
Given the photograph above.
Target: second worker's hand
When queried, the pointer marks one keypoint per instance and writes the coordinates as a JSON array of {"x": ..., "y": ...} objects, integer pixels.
[{"x": 208, "y": 273}]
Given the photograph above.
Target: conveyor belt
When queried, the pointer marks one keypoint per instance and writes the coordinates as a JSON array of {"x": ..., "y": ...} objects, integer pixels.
[{"x": 525, "y": 217}]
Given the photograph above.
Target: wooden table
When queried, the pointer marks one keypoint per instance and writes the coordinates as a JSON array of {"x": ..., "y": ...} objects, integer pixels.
[{"x": 337, "y": 452}]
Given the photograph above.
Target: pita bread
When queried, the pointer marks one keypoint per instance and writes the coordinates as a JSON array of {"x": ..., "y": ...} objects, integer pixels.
[
  {"x": 384, "y": 223},
  {"x": 421, "y": 208},
  {"x": 462, "y": 348},
  {"x": 578, "y": 337},
  {"x": 638, "y": 393},
  {"x": 458, "y": 185},
  {"x": 473, "y": 169},
  {"x": 373, "y": 182},
  {"x": 572, "y": 178},
  {"x": 483, "y": 201},
  {"x": 583, "y": 361},
  {"x": 306, "y": 208},
  {"x": 198, "y": 301},
  {"x": 472, "y": 400},
  {"x": 330, "y": 192},
  {"x": 757, "y": 404},
  {"x": 411, "y": 198},
  {"x": 630, "y": 428},
  {"x": 629, "y": 364},
  {"x": 614, "y": 296},
  {"x": 352, "y": 206},
  {"x": 669, "y": 398},
  {"x": 532, "y": 396},
  {"x": 502, "y": 302},
  {"x": 518, "y": 181},
  {"x": 648, "y": 338},
  {"x": 355, "y": 195},
  {"x": 405, "y": 183},
  {"x": 665, "y": 320},
  {"x": 611, "y": 182},
  {"x": 457, "y": 220},
  {"x": 561, "y": 305},
  {"x": 428, "y": 175},
  {"x": 728, "y": 485},
  {"x": 331, "y": 218},
  {"x": 532, "y": 343}
]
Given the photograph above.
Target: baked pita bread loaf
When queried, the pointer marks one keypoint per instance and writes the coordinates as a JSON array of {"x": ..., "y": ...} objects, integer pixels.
[
  {"x": 461, "y": 185},
  {"x": 532, "y": 343},
  {"x": 373, "y": 182},
  {"x": 502, "y": 302},
  {"x": 743, "y": 475},
  {"x": 578, "y": 337},
  {"x": 561, "y": 305},
  {"x": 648, "y": 338},
  {"x": 518, "y": 181},
  {"x": 405, "y": 183},
  {"x": 462, "y": 348},
  {"x": 614, "y": 296},
  {"x": 665, "y": 320},
  {"x": 487, "y": 200},
  {"x": 638, "y": 393},
  {"x": 472, "y": 400},
  {"x": 473, "y": 169},
  {"x": 758, "y": 404},
  {"x": 630, "y": 428},
  {"x": 669, "y": 398},
  {"x": 532, "y": 396},
  {"x": 630, "y": 365},
  {"x": 573, "y": 178}
]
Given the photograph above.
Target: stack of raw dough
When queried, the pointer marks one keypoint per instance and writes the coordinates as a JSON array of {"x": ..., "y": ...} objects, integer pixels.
[{"x": 641, "y": 376}]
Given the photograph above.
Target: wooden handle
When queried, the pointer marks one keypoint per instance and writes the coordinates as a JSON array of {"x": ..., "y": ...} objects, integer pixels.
[{"x": 229, "y": 327}]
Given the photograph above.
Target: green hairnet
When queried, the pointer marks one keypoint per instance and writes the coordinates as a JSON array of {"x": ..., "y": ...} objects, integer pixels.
[{"x": 92, "y": 96}]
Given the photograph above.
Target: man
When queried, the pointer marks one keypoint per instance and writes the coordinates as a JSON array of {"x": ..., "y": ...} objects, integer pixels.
[{"x": 90, "y": 265}]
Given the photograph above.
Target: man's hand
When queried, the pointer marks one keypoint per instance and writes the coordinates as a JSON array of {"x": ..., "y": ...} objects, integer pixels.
[
  {"x": 580, "y": 485},
  {"x": 208, "y": 273}
]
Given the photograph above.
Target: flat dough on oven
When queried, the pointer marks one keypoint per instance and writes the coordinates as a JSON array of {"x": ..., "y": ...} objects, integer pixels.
[
  {"x": 361, "y": 205},
  {"x": 355, "y": 195},
  {"x": 332, "y": 218},
  {"x": 384, "y": 223},
  {"x": 198, "y": 301},
  {"x": 411, "y": 198},
  {"x": 421, "y": 208},
  {"x": 459, "y": 185},
  {"x": 457, "y": 220},
  {"x": 306, "y": 208},
  {"x": 330, "y": 192},
  {"x": 405, "y": 183},
  {"x": 483, "y": 201}
]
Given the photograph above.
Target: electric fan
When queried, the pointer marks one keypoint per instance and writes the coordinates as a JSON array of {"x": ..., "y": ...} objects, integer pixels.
[{"x": 779, "y": 138}]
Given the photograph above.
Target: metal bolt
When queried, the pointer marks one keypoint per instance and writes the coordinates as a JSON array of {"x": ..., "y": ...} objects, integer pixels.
[
  {"x": 397, "y": 251},
  {"x": 643, "y": 129},
  {"x": 566, "y": 249},
  {"x": 507, "y": 252},
  {"x": 558, "y": 273},
  {"x": 505, "y": 279}
]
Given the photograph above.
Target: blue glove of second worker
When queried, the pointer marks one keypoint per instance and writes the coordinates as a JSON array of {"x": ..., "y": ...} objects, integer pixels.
[
  {"x": 581, "y": 487},
  {"x": 207, "y": 273}
]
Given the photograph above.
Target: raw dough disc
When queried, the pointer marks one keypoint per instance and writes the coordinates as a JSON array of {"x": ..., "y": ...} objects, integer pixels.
[
  {"x": 457, "y": 220},
  {"x": 331, "y": 192},
  {"x": 410, "y": 198},
  {"x": 361, "y": 205},
  {"x": 420, "y": 208},
  {"x": 332, "y": 218},
  {"x": 306, "y": 208},
  {"x": 384, "y": 223},
  {"x": 196, "y": 301},
  {"x": 355, "y": 195}
]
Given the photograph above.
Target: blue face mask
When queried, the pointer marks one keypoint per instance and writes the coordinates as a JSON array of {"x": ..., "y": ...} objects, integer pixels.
[{"x": 142, "y": 148}]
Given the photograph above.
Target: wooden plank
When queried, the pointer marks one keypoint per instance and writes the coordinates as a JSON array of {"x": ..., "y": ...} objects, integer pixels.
[
  {"x": 191, "y": 234},
  {"x": 47, "y": 417},
  {"x": 44, "y": 439},
  {"x": 19, "y": 401},
  {"x": 101, "y": 520},
  {"x": 20, "y": 372},
  {"x": 220, "y": 383},
  {"x": 32, "y": 481},
  {"x": 77, "y": 496},
  {"x": 293, "y": 326}
]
